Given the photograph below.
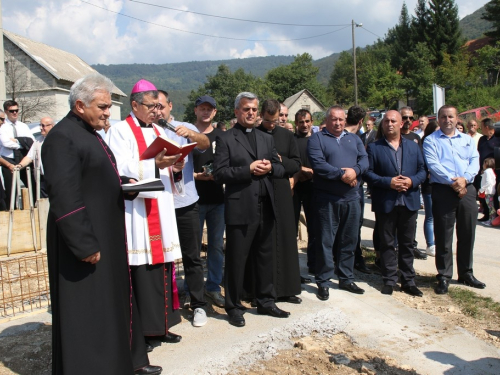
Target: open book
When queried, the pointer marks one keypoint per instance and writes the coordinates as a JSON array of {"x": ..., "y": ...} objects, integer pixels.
[
  {"x": 173, "y": 148},
  {"x": 149, "y": 184}
]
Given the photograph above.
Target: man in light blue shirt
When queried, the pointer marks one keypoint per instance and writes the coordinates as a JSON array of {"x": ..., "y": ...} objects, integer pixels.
[
  {"x": 453, "y": 161},
  {"x": 186, "y": 212}
]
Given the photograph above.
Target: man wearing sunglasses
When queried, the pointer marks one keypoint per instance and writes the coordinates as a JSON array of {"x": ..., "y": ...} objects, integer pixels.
[
  {"x": 16, "y": 139},
  {"x": 407, "y": 117}
]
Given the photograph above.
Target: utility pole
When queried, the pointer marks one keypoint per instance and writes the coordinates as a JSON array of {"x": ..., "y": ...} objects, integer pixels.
[
  {"x": 354, "y": 61},
  {"x": 3, "y": 94}
]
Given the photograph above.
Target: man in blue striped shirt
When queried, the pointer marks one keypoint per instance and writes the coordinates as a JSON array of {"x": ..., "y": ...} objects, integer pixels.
[{"x": 453, "y": 161}]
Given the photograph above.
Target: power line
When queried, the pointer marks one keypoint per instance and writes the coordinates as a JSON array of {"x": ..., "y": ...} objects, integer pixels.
[
  {"x": 215, "y": 36},
  {"x": 234, "y": 19},
  {"x": 364, "y": 28}
]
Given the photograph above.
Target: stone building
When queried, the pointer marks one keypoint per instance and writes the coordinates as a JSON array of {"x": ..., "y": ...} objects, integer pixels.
[
  {"x": 303, "y": 100},
  {"x": 39, "y": 77}
]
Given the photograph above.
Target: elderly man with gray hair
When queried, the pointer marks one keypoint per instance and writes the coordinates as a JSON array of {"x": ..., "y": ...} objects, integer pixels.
[
  {"x": 246, "y": 160},
  {"x": 95, "y": 324}
]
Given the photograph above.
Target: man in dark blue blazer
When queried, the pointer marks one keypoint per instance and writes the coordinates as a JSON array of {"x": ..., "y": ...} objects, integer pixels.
[{"x": 396, "y": 170}]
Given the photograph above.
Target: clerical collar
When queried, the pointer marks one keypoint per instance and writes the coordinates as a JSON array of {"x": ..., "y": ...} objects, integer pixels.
[
  {"x": 242, "y": 128},
  {"x": 142, "y": 124}
]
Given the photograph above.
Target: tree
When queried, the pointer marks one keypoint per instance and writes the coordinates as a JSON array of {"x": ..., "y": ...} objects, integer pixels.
[
  {"x": 400, "y": 40},
  {"x": 443, "y": 29},
  {"x": 492, "y": 14},
  {"x": 287, "y": 80},
  {"x": 488, "y": 58},
  {"x": 420, "y": 22},
  {"x": 224, "y": 86},
  {"x": 341, "y": 84},
  {"x": 421, "y": 75},
  {"x": 25, "y": 91}
]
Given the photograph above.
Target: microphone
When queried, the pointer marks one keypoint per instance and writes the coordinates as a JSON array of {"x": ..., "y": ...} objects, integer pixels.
[{"x": 166, "y": 125}]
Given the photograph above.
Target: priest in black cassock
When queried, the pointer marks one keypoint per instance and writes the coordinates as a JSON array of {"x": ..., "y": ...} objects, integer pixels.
[
  {"x": 286, "y": 257},
  {"x": 96, "y": 329}
]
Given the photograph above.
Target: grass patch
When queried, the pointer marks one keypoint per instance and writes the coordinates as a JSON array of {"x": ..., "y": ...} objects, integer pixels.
[
  {"x": 369, "y": 255},
  {"x": 473, "y": 304}
]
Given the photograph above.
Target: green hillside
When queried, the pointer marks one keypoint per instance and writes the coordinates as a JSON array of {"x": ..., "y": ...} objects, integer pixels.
[{"x": 473, "y": 26}]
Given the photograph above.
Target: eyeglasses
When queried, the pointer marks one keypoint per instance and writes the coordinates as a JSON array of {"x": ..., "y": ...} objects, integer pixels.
[
  {"x": 152, "y": 107},
  {"x": 45, "y": 126},
  {"x": 13, "y": 110},
  {"x": 275, "y": 123},
  {"x": 407, "y": 117}
]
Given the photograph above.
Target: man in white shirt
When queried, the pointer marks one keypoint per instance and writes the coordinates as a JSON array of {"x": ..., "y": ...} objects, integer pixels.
[
  {"x": 35, "y": 154},
  {"x": 16, "y": 139}
]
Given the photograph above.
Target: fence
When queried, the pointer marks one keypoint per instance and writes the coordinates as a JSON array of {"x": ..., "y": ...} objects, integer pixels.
[{"x": 24, "y": 284}]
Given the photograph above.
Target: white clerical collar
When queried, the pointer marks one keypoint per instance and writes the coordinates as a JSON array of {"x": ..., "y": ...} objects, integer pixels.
[{"x": 248, "y": 130}]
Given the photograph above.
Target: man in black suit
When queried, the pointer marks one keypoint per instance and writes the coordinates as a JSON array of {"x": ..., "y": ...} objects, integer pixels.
[
  {"x": 396, "y": 170},
  {"x": 245, "y": 160},
  {"x": 370, "y": 134}
]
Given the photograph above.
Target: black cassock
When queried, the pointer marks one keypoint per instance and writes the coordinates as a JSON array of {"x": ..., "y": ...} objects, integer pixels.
[
  {"x": 286, "y": 257},
  {"x": 92, "y": 310}
]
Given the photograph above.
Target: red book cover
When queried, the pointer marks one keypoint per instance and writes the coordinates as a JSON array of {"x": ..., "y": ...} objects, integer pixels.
[{"x": 173, "y": 148}]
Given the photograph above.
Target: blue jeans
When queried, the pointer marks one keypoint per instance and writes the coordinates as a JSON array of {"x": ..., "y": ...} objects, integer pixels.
[
  {"x": 429, "y": 220},
  {"x": 335, "y": 220},
  {"x": 214, "y": 215}
]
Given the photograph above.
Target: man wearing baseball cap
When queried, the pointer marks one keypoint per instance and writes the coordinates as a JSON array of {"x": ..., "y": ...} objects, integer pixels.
[{"x": 211, "y": 202}]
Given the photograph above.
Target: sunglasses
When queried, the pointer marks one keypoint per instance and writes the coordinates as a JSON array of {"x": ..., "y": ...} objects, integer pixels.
[
  {"x": 2, "y": 119},
  {"x": 13, "y": 110},
  {"x": 407, "y": 117}
]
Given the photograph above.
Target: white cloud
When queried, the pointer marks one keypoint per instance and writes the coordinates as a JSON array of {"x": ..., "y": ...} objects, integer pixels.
[
  {"x": 258, "y": 50},
  {"x": 100, "y": 36}
]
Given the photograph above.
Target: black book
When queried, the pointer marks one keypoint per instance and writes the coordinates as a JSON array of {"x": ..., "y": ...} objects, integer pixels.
[{"x": 150, "y": 184}]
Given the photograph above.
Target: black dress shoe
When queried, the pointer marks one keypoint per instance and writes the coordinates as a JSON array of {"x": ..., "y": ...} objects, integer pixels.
[
  {"x": 290, "y": 299},
  {"x": 149, "y": 370},
  {"x": 442, "y": 286},
  {"x": 305, "y": 280},
  {"x": 469, "y": 280},
  {"x": 484, "y": 218},
  {"x": 149, "y": 347},
  {"x": 419, "y": 254},
  {"x": 323, "y": 293},
  {"x": 361, "y": 267},
  {"x": 387, "y": 289},
  {"x": 171, "y": 338},
  {"x": 351, "y": 287},
  {"x": 236, "y": 320},
  {"x": 412, "y": 290},
  {"x": 273, "y": 311}
]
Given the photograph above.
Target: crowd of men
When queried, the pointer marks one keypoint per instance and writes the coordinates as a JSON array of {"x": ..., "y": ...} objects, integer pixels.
[{"x": 111, "y": 254}]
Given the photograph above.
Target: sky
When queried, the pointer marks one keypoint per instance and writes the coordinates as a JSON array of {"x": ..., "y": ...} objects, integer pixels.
[{"x": 148, "y": 32}]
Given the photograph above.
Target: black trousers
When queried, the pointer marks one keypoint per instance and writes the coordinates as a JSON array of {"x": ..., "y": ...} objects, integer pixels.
[
  {"x": 304, "y": 197},
  {"x": 7, "y": 179},
  {"x": 188, "y": 227},
  {"x": 448, "y": 208},
  {"x": 252, "y": 242},
  {"x": 401, "y": 221}
]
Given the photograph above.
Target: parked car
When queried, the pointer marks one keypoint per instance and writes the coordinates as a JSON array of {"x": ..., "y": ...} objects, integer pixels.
[
  {"x": 377, "y": 116},
  {"x": 480, "y": 113}
]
